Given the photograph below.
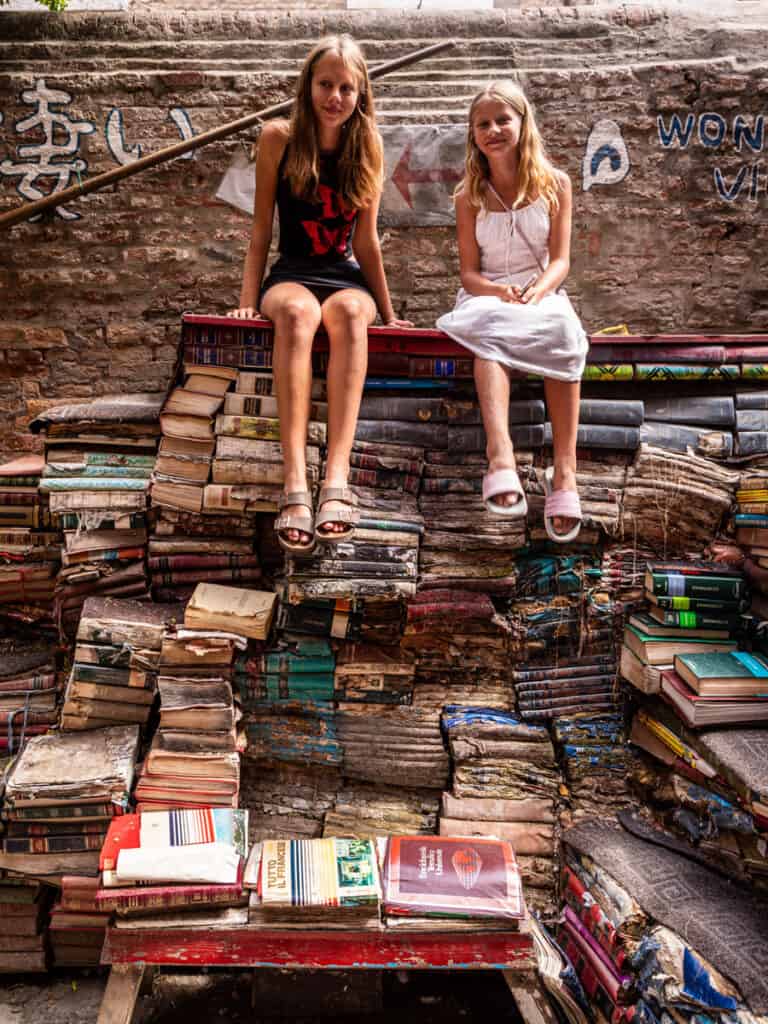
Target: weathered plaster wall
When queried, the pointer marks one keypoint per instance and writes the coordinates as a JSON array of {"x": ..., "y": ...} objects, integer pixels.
[{"x": 659, "y": 119}]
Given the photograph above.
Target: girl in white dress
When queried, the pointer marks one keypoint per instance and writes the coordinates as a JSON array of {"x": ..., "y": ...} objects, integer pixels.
[{"x": 513, "y": 220}]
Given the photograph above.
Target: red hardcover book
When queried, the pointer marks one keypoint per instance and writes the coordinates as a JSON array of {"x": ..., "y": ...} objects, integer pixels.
[
  {"x": 159, "y": 897},
  {"x": 452, "y": 876}
]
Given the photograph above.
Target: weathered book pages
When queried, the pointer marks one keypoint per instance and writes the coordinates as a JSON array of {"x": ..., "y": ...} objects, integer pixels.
[
  {"x": 246, "y": 612},
  {"x": 265, "y": 429}
]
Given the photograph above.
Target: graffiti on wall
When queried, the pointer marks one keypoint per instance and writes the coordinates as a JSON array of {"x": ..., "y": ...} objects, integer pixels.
[
  {"x": 606, "y": 160},
  {"x": 53, "y": 162},
  {"x": 713, "y": 131}
]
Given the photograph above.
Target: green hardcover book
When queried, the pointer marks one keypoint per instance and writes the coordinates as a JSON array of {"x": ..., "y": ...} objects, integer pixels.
[
  {"x": 306, "y": 656},
  {"x": 724, "y": 673},
  {"x": 686, "y": 629},
  {"x": 686, "y": 620},
  {"x": 695, "y": 604}
]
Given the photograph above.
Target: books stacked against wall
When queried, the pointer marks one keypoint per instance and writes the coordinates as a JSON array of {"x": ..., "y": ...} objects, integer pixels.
[
  {"x": 30, "y": 683},
  {"x": 99, "y": 457},
  {"x": 625, "y": 900},
  {"x": 674, "y": 501},
  {"x": 363, "y": 809},
  {"x": 176, "y": 868},
  {"x": 114, "y": 672},
  {"x": 451, "y": 884},
  {"x": 708, "y": 786},
  {"x": 24, "y": 918},
  {"x": 201, "y": 531},
  {"x": 505, "y": 784},
  {"x": 750, "y": 526},
  {"x": 752, "y": 423},
  {"x": 595, "y": 761},
  {"x": 461, "y": 649},
  {"x": 30, "y": 545},
  {"x": 692, "y": 607},
  {"x": 78, "y": 926},
  {"x": 61, "y": 794},
  {"x": 314, "y": 883},
  {"x": 194, "y": 758}
]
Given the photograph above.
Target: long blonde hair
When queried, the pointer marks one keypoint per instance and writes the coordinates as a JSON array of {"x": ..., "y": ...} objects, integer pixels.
[
  {"x": 361, "y": 162},
  {"x": 536, "y": 175}
]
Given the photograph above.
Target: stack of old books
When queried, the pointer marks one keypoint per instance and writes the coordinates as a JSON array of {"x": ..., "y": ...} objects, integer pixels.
[
  {"x": 751, "y": 423},
  {"x": 314, "y": 883},
  {"x": 294, "y": 668},
  {"x": 443, "y": 883},
  {"x": 62, "y": 792},
  {"x": 24, "y": 916},
  {"x": 288, "y": 800},
  {"x": 174, "y": 868},
  {"x": 30, "y": 550},
  {"x": 625, "y": 901},
  {"x": 362, "y": 809},
  {"x": 702, "y": 424},
  {"x": 505, "y": 784},
  {"x": 710, "y": 787},
  {"x": 464, "y": 545},
  {"x": 114, "y": 674},
  {"x": 692, "y": 607},
  {"x": 183, "y": 466},
  {"x": 99, "y": 458},
  {"x": 461, "y": 649},
  {"x": 78, "y": 926},
  {"x": 750, "y": 523},
  {"x": 596, "y": 762},
  {"x": 29, "y": 690},
  {"x": 400, "y": 746},
  {"x": 574, "y": 685},
  {"x": 194, "y": 759},
  {"x": 373, "y": 674},
  {"x": 675, "y": 501}
]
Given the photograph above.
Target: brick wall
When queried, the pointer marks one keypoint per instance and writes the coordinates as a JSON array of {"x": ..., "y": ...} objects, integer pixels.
[{"x": 670, "y": 235}]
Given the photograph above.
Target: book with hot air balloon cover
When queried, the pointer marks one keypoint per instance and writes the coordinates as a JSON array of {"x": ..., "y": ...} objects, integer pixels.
[{"x": 452, "y": 877}]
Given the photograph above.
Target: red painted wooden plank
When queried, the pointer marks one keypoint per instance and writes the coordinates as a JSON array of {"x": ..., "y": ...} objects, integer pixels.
[
  {"x": 661, "y": 353},
  {"x": 255, "y": 947}
]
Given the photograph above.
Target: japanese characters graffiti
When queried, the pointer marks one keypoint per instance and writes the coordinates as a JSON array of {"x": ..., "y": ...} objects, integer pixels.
[{"x": 54, "y": 156}]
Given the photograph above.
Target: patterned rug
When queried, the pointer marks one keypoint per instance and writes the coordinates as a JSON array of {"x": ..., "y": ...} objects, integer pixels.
[{"x": 716, "y": 918}]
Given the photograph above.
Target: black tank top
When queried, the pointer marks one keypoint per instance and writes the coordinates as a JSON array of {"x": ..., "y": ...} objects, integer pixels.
[{"x": 318, "y": 230}]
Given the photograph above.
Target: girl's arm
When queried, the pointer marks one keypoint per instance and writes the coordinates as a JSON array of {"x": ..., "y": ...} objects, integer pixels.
[
  {"x": 559, "y": 246},
  {"x": 274, "y": 137},
  {"x": 469, "y": 255},
  {"x": 367, "y": 250}
]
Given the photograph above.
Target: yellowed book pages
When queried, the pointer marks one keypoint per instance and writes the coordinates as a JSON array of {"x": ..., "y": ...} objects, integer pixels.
[
  {"x": 186, "y": 447},
  {"x": 184, "y": 402},
  {"x": 197, "y": 428},
  {"x": 251, "y": 450},
  {"x": 263, "y": 428},
  {"x": 241, "y": 498},
  {"x": 194, "y": 470},
  {"x": 233, "y": 471},
  {"x": 246, "y": 612},
  {"x": 188, "y": 497},
  {"x": 225, "y": 372}
]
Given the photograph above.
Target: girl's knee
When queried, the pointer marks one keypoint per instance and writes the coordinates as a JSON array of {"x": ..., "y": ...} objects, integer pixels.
[
  {"x": 348, "y": 312},
  {"x": 296, "y": 316}
]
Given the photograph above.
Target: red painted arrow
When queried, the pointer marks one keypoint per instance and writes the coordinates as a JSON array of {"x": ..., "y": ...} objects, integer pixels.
[{"x": 404, "y": 175}]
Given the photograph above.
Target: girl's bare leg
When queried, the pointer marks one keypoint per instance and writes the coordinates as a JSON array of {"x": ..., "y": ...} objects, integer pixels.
[
  {"x": 492, "y": 383},
  {"x": 563, "y": 407},
  {"x": 295, "y": 313},
  {"x": 346, "y": 315}
]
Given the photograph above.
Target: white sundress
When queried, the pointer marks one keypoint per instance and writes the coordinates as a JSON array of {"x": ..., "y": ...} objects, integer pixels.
[{"x": 546, "y": 339}]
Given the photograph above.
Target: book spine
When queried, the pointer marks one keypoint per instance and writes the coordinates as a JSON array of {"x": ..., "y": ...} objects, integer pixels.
[
  {"x": 752, "y": 419},
  {"x": 203, "y": 561},
  {"x": 752, "y": 400},
  {"x": 701, "y": 411},
  {"x": 94, "y": 472},
  {"x": 697, "y": 620},
  {"x": 752, "y": 442},
  {"x": 679, "y": 438},
  {"x": 89, "y": 673},
  {"x": 14, "y": 498},
  {"x": 19, "y": 481},
  {"x": 84, "y": 483},
  {"x": 20, "y": 717},
  {"x": 192, "y": 576},
  {"x": 36, "y": 682},
  {"x": 54, "y": 844},
  {"x": 600, "y": 435},
  {"x": 164, "y": 899},
  {"x": 231, "y": 355},
  {"x": 614, "y": 412}
]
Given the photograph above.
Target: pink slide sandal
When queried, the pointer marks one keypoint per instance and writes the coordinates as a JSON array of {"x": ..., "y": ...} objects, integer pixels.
[
  {"x": 565, "y": 504},
  {"x": 504, "y": 481}
]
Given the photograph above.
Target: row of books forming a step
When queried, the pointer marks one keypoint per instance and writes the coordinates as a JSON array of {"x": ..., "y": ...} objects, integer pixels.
[{"x": 155, "y": 863}]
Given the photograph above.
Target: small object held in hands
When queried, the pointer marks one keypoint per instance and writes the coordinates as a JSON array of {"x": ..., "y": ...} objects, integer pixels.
[{"x": 528, "y": 284}]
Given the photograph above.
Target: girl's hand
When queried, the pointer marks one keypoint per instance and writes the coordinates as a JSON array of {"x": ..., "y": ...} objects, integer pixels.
[
  {"x": 510, "y": 293},
  {"x": 244, "y": 313},
  {"x": 534, "y": 295},
  {"x": 394, "y": 322}
]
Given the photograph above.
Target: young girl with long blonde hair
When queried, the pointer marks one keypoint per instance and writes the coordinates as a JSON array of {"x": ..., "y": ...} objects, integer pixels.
[
  {"x": 513, "y": 221},
  {"x": 324, "y": 170}
]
